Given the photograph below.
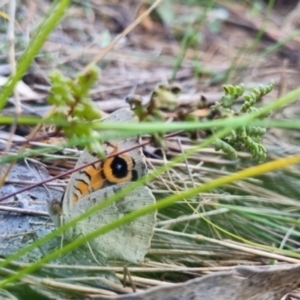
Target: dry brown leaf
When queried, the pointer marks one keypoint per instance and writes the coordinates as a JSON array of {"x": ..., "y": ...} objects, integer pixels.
[{"x": 147, "y": 22}]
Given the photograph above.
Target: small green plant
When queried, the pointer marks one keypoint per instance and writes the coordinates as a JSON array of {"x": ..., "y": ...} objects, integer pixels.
[
  {"x": 246, "y": 137},
  {"x": 72, "y": 102}
]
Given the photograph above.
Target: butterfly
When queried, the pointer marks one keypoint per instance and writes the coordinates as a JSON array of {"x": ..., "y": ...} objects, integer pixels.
[{"x": 98, "y": 182}]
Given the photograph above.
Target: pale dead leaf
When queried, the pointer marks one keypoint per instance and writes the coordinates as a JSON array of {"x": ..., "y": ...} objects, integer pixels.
[
  {"x": 22, "y": 88},
  {"x": 241, "y": 283}
]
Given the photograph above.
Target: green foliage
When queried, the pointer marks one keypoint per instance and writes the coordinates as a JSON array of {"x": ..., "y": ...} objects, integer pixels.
[
  {"x": 255, "y": 95},
  {"x": 246, "y": 137},
  {"x": 242, "y": 138},
  {"x": 73, "y": 103}
]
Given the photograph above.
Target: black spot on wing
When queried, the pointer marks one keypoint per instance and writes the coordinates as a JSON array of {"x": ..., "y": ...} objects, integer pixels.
[{"x": 119, "y": 167}]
